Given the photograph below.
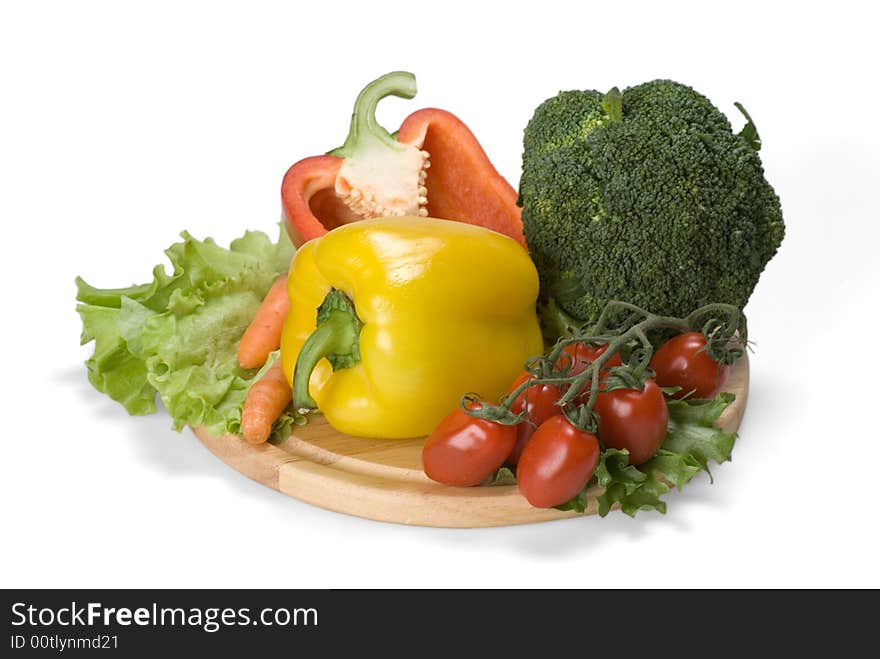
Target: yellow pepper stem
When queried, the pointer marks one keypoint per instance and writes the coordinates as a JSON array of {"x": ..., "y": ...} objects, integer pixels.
[{"x": 336, "y": 338}]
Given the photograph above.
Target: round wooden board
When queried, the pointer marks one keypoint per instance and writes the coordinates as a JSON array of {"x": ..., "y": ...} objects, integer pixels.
[{"x": 382, "y": 479}]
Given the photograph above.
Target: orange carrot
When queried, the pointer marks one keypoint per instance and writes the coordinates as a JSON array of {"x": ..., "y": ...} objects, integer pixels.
[
  {"x": 265, "y": 401},
  {"x": 263, "y": 335}
]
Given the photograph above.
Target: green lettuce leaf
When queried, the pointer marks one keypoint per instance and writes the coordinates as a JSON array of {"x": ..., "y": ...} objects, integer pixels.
[
  {"x": 176, "y": 338},
  {"x": 692, "y": 431},
  {"x": 112, "y": 368},
  {"x": 620, "y": 480},
  {"x": 504, "y": 475}
]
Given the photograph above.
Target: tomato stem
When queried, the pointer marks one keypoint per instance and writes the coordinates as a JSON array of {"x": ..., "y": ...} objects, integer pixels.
[{"x": 724, "y": 326}]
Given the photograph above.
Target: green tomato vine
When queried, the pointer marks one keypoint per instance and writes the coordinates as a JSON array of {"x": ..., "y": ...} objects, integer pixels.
[{"x": 626, "y": 330}]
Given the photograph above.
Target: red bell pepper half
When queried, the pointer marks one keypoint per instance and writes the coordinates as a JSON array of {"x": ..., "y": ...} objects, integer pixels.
[{"x": 433, "y": 166}]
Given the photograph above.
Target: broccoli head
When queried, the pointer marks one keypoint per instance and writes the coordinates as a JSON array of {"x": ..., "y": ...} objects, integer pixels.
[{"x": 645, "y": 196}]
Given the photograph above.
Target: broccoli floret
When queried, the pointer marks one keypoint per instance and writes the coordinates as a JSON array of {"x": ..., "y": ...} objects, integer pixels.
[{"x": 645, "y": 196}]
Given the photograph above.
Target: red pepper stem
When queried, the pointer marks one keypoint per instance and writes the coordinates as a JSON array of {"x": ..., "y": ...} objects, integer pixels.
[{"x": 364, "y": 127}]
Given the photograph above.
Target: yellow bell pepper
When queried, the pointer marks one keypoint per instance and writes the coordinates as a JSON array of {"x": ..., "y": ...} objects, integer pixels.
[{"x": 414, "y": 313}]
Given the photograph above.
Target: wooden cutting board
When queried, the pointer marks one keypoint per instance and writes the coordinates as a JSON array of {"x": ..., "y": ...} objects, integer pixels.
[{"x": 382, "y": 479}]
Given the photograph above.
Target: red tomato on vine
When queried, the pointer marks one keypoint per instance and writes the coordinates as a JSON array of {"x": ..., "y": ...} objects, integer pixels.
[
  {"x": 683, "y": 362},
  {"x": 557, "y": 463},
  {"x": 581, "y": 355},
  {"x": 633, "y": 420},
  {"x": 464, "y": 450},
  {"x": 540, "y": 402}
]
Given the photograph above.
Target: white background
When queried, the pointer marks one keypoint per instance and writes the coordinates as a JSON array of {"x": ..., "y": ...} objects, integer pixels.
[{"x": 123, "y": 124}]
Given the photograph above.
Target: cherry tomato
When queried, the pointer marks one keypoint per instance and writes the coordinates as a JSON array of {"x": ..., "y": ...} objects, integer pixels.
[
  {"x": 540, "y": 402},
  {"x": 582, "y": 355},
  {"x": 557, "y": 463},
  {"x": 683, "y": 362},
  {"x": 463, "y": 450},
  {"x": 633, "y": 420}
]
